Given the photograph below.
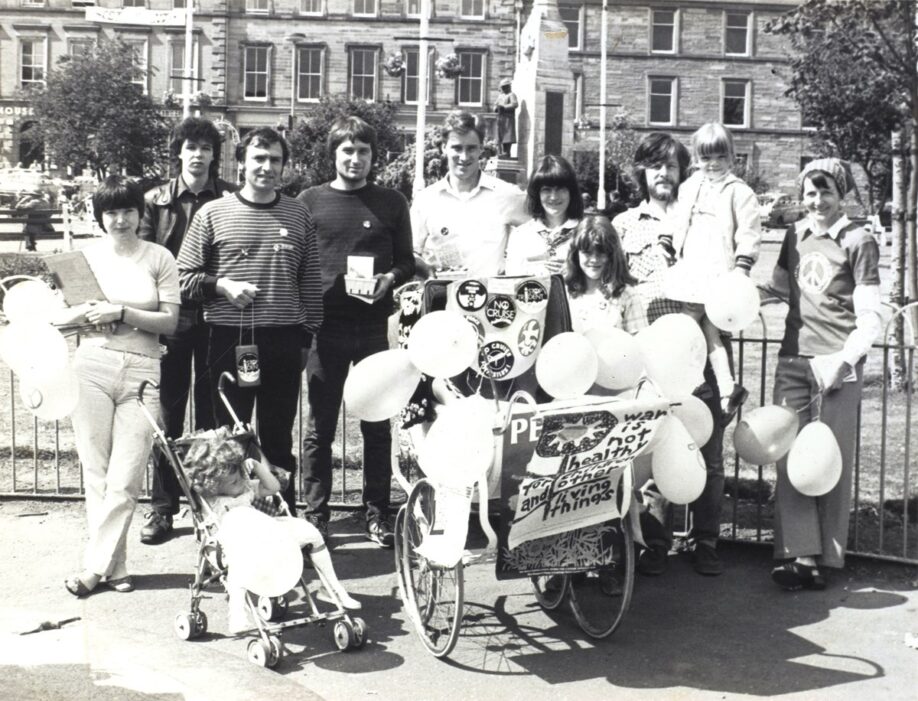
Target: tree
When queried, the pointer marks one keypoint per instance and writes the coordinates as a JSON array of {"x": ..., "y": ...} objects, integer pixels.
[
  {"x": 621, "y": 142},
  {"x": 91, "y": 113}
]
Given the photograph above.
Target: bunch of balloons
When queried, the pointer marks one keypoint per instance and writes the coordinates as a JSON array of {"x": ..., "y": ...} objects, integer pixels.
[{"x": 37, "y": 352}]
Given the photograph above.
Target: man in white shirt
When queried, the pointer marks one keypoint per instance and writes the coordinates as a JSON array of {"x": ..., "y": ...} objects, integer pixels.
[{"x": 462, "y": 221}]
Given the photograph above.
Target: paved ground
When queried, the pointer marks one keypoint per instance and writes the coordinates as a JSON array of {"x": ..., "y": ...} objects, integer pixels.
[{"x": 686, "y": 637}]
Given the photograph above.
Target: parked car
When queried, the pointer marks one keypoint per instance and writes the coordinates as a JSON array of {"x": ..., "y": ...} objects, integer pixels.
[{"x": 777, "y": 209}]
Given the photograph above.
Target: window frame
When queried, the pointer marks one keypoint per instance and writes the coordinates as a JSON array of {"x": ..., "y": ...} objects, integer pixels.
[
  {"x": 581, "y": 15},
  {"x": 33, "y": 3},
  {"x": 673, "y": 100},
  {"x": 144, "y": 53},
  {"x": 310, "y": 13},
  {"x": 245, "y": 72},
  {"x": 131, "y": 4},
  {"x": 74, "y": 41},
  {"x": 747, "y": 51},
  {"x": 195, "y": 64},
  {"x": 351, "y": 51},
  {"x": 482, "y": 15},
  {"x": 32, "y": 39},
  {"x": 299, "y": 73},
  {"x": 374, "y": 13},
  {"x": 431, "y": 72},
  {"x": 482, "y": 78},
  {"x": 674, "y": 45},
  {"x": 250, "y": 10},
  {"x": 747, "y": 102}
]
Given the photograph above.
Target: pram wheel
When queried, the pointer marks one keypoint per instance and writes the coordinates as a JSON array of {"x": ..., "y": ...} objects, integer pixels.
[
  {"x": 600, "y": 598},
  {"x": 186, "y": 625},
  {"x": 271, "y": 608},
  {"x": 200, "y": 623},
  {"x": 433, "y": 596},
  {"x": 550, "y": 590},
  {"x": 265, "y": 654},
  {"x": 359, "y": 631},
  {"x": 344, "y": 634}
]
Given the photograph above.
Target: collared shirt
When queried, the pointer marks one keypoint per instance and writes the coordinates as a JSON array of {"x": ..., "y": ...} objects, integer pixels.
[
  {"x": 189, "y": 204},
  {"x": 596, "y": 311},
  {"x": 640, "y": 229},
  {"x": 533, "y": 243},
  {"x": 466, "y": 230}
]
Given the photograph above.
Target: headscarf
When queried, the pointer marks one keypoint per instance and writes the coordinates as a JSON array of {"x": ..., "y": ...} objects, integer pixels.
[{"x": 837, "y": 169}]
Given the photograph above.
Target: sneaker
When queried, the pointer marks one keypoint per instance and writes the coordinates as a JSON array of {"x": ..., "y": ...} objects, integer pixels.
[
  {"x": 652, "y": 561},
  {"x": 157, "y": 528},
  {"x": 380, "y": 532},
  {"x": 706, "y": 560}
]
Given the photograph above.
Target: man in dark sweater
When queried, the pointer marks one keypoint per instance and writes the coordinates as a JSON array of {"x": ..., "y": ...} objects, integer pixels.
[{"x": 353, "y": 218}]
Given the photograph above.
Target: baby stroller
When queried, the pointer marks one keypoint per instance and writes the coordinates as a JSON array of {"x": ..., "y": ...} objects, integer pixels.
[{"x": 268, "y": 613}]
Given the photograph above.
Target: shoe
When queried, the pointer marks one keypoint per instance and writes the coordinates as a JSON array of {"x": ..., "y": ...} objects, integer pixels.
[
  {"x": 76, "y": 587},
  {"x": 706, "y": 560},
  {"x": 122, "y": 585},
  {"x": 610, "y": 582},
  {"x": 156, "y": 529},
  {"x": 380, "y": 532},
  {"x": 652, "y": 561},
  {"x": 736, "y": 399},
  {"x": 794, "y": 576}
]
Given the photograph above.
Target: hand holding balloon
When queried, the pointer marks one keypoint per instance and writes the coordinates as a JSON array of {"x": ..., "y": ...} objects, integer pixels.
[{"x": 830, "y": 371}]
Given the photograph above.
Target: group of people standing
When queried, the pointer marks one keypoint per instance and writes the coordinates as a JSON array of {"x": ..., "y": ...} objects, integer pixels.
[{"x": 255, "y": 279}]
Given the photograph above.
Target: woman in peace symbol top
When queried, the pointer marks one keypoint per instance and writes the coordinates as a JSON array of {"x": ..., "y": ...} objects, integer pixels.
[
  {"x": 828, "y": 269},
  {"x": 539, "y": 247}
]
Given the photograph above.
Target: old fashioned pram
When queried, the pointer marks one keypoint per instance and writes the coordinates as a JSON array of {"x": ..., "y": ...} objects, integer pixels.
[{"x": 269, "y": 613}]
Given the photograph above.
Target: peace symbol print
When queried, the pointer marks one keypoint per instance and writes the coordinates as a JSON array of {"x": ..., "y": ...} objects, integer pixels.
[{"x": 814, "y": 273}]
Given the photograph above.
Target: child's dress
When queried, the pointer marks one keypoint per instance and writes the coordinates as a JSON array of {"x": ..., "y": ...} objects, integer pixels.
[{"x": 595, "y": 310}]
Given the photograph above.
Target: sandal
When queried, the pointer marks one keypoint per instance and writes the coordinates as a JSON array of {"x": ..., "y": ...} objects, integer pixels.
[
  {"x": 123, "y": 584},
  {"x": 76, "y": 587}
]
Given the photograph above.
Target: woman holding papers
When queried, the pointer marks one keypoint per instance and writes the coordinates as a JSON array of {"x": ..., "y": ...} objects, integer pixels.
[{"x": 113, "y": 439}]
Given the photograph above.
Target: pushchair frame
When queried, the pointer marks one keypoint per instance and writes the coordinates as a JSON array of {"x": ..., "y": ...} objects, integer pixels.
[{"x": 266, "y": 649}]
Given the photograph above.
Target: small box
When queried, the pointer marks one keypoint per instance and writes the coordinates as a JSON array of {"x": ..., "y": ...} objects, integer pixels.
[{"x": 360, "y": 287}]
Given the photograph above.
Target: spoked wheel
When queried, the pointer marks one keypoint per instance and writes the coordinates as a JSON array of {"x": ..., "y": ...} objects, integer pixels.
[
  {"x": 550, "y": 590},
  {"x": 433, "y": 595},
  {"x": 600, "y": 598}
]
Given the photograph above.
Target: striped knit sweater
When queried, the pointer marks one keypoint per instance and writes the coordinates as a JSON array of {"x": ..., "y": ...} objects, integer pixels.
[{"x": 272, "y": 246}]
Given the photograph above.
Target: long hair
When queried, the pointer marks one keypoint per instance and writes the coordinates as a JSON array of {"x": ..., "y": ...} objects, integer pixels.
[
  {"x": 554, "y": 171},
  {"x": 117, "y": 192},
  {"x": 596, "y": 233},
  {"x": 655, "y": 149},
  {"x": 200, "y": 131}
]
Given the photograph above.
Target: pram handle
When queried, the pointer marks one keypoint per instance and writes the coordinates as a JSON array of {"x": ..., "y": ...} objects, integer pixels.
[{"x": 224, "y": 376}]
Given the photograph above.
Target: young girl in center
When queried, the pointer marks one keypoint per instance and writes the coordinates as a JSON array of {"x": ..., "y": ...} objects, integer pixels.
[
  {"x": 718, "y": 230},
  {"x": 220, "y": 470},
  {"x": 599, "y": 287}
]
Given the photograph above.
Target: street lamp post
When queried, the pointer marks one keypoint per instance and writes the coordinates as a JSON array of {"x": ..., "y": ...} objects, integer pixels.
[
  {"x": 603, "y": 41},
  {"x": 420, "y": 123},
  {"x": 187, "y": 84},
  {"x": 294, "y": 38}
]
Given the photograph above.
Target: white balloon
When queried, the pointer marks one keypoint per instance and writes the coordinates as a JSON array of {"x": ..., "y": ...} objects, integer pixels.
[
  {"x": 814, "y": 464},
  {"x": 620, "y": 362},
  {"x": 678, "y": 467},
  {"x": 30, "y": 300},
  {"x": 684, "y": 283},
  {"x": 459, "y": 448},
  {"x": 33, "y": 349},
  {"x": 675, "y": 353},
  {"x": 765, "y": 434},
  {"x": 696, "y": 417},
  {"x": 443, "y": 344},
  {"x": 732, "y": 301},
  {"x": 567, "y": 365},
  {"x": 53, "y": 396},
  {"x": 379, "y": 386},
  {"x": 262, "y": 554}
]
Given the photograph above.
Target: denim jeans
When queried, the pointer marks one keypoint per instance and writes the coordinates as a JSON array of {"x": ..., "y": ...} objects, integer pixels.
[
  {"x": 185, "y": 348},
  {"x": 337, "y": 346},
  {"x": 113, "y": 439}
]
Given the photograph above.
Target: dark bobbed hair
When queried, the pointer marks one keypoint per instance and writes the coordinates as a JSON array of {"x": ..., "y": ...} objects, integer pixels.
[
  {"x": 554, "y": 171},
  {"x": 262, "y": 136},
  {"x": 201, "y": 131},
  {"x": 595, "y": 232},
  {"x": 821, "y": 179},
  {"x": 117, "y": 192},
  {"x": 462, "y": 123},
  {"x": 350, "y": 129},
  {"x": 657, "y": 148}
]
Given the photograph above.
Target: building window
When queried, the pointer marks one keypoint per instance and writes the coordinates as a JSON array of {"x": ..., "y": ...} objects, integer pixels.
[
  {"x": 177, "y": 68},
  {"x": 578, "y": 96},
  {"x": 365, "y": 8},
  {"x": 80, "y": 47},
  {"x": 31, "y": 62},
  {"x": 472, "y": 8},
  {"x": 662, "y": 101},
  {"x": 255, "y": 71},
  {"x": 663, "y": 31},
  {"x": 472, "y": 79},
  {"x": 178, "y": 4},
  {"x": 134, "y": 3},
  {"x": 412, "y": 74},
  {"x": 33, "y": 3},
  {"x": 738, "y": 34},
  {"x": 260, "y": 6},
  {"x": 736, "y": 103},
  {"x": 309, "y": 73},
  {"x": 362, "y": 76},
  {"x": 139, "y": 61},
  {"x": 572, "y": 16},
  {"x": 311, "y": 7}
]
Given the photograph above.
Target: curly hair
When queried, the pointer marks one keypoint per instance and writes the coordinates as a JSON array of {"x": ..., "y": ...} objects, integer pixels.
[
  {"x": 596, "y": 233},
  {"x": 214, "y": 457}
]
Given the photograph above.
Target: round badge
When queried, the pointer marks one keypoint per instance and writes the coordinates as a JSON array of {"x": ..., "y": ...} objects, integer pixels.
[
  {"x": 530, "y": 335},
  {"x": 471, "y": 295},
  {"x": 477, "y": 325},
  {"x": 532, "y": 296},
  {"x": 495, "y": 360},
  {"x": 500, "y": 311}
]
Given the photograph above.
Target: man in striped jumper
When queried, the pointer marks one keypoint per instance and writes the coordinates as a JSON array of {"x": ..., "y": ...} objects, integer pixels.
[{"x": 252, "y": 260}]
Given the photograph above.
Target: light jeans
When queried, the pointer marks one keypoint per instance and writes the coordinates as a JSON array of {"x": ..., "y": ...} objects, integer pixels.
[{"x": 113, "y": 440}]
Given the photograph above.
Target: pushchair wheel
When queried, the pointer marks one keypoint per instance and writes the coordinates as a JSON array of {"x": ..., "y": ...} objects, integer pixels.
[
  {"x": 259, "y": 652},
  {"x": 200, "y": 623},
  {"x": 344, "y": 635},
  {"x": 277, "y": 650},
  {"x": 360, "y": 632},
  {"x": 271, "y": 608},
  {"x": 185, "y": 626}
]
